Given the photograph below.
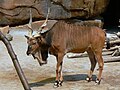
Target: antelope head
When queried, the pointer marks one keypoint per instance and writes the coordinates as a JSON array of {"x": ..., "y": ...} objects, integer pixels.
[{"x": 34, "y": 41}]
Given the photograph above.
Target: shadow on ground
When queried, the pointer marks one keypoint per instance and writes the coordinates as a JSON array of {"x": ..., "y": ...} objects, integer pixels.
[{"x": 67, "y": 78}]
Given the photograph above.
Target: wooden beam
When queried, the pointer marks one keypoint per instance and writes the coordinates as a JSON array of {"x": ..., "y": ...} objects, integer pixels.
[{"x": 15, "y": 61}]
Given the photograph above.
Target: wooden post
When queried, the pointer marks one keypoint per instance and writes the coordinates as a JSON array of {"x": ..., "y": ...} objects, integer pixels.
[{"x": 15, "y": 61}]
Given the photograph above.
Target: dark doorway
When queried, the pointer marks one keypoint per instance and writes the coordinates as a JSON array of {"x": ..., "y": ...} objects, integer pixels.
[{"x": 112, "y": 14}]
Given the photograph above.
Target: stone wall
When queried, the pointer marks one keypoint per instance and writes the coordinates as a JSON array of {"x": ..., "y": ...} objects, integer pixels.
[{"x": 17, "y": 11}]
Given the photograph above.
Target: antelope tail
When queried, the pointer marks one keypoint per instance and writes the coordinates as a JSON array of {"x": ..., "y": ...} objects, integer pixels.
[{"x": 107, "y": 43}]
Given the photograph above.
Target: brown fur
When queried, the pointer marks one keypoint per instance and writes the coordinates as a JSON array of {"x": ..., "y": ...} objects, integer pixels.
[{"x": 65, "y": 37}]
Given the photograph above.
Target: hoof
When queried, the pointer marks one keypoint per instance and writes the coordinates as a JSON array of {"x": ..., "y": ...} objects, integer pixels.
[
  {"x": 97, "y": 82},
  {"x": 88, "y": 79},
  {"x": 58, "y": 84}
]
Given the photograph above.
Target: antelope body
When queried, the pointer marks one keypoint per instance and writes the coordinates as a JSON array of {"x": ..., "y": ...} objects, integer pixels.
[{"x": 66, "y": 37}]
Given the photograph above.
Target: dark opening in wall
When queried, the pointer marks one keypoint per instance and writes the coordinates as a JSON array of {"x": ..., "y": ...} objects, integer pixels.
[{"x": 112, "y": 14}]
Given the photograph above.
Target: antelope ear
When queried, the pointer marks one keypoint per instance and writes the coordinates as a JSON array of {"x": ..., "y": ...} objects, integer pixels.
[
  {"x": 27, "y": 37},
  {"x": 45, "y": 29}
]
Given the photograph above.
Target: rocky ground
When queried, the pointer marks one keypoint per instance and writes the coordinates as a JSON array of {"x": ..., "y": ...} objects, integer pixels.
[{"x": 74, "y": 70}]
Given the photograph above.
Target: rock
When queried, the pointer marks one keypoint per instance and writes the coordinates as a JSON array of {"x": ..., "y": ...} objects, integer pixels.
[
  {"x": 5, "y": 31},
  {"x": 15, "y": 12},
  {"x": 9, "y": 37},
  {"x": 97, "y": 23}
]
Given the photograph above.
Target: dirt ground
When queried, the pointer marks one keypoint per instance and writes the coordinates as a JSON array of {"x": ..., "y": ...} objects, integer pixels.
[{"x": 42, "y": 78}]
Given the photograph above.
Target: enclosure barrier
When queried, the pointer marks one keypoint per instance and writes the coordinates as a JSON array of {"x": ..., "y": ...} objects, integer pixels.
[{"x": 15, "y": 61}]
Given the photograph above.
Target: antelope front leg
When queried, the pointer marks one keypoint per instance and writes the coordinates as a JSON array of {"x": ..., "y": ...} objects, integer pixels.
[{"x": 59, "y": 78}]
